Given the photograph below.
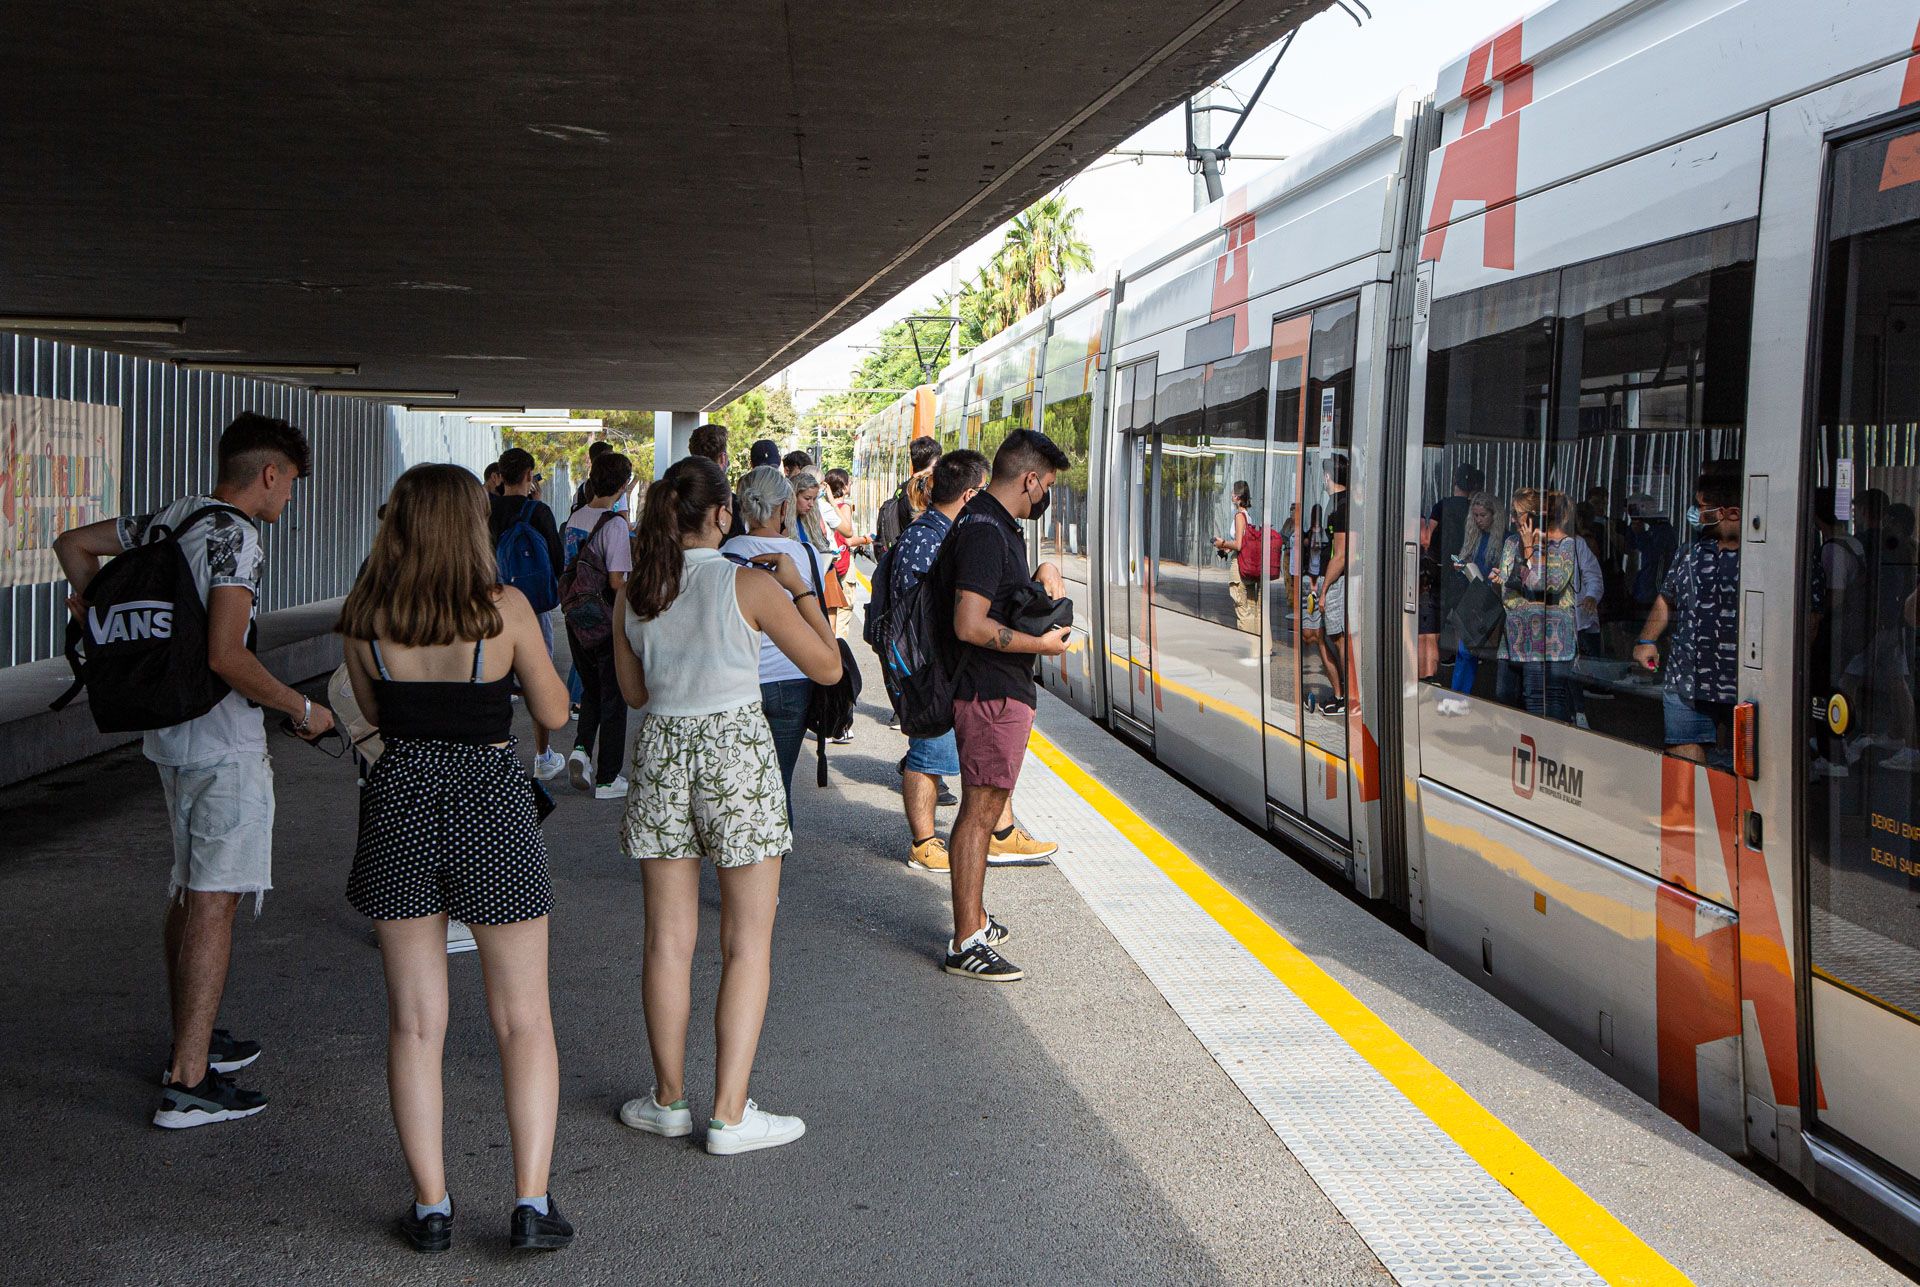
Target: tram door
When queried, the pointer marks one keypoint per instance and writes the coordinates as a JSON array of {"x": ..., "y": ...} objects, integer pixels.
[
  {"x": 1860, "y": 749},
  {"x": 1307, "y": 647},
  {"x": 1130, "y": 659}
]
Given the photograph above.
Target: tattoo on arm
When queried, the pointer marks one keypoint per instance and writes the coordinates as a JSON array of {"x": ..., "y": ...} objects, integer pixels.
[{"x": 1003, "y": 640}]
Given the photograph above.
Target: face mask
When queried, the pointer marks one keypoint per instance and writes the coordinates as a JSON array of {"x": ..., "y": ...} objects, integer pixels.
[
  {"x": 1697, "y": 517},
  {"x": 1039, "y": 507}
]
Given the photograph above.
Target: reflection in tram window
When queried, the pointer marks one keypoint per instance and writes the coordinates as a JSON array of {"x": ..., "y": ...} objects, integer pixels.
[
  {"x": 1861, "y": 747},
  {"x": 1069, "y": 422},
  {"x": 1605, "y": 389},
  {"x": 1308, "y": 659},
  {"x": 1181, "y": 525}
]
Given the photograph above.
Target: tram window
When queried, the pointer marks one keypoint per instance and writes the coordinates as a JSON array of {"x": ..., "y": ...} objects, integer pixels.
[
  {"x": 1861, "y": 752},
  {"x": 1181, "y": 524},
  {"x": 1232, "y": 466},
  {"x": 1652, "y": 411},
  {"x": 1489, "y": 376},
  {"x": 1609, "y": 402},
  {"x": 1068, "y": 420}
]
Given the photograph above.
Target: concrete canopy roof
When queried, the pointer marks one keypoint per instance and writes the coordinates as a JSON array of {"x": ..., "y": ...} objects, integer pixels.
[{"x": 554, "y": 202}]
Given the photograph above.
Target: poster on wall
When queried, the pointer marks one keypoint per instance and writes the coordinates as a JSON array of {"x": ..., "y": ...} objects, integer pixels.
[{"x": 59, "y": 468}]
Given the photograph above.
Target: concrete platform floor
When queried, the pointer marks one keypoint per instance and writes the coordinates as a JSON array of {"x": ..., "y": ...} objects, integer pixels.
[{"x": 1065, "y": 1130}]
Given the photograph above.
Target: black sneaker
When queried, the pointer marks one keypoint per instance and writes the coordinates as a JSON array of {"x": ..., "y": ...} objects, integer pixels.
[
  {"x": 979, "y": 961},
  {"x": 1333, "y": 706},
  {"x": 528, "y": 1230},
  {"x": 215, "y": 1099},
  {"x": 997, "y": 933},
  {"x": 945, "y": 799},
  {"x": 225, "y": 1053},
  {"x": 429, "y": 1235}
]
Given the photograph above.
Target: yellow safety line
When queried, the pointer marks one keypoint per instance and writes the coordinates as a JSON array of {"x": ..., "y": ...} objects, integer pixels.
[
  {"x": 1591, "y": 1231},
  {"x": 861, "y": 577}
]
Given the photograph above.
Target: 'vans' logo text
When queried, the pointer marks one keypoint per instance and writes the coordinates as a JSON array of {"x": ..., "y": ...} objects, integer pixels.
[
  {"x": 139, "y": 619},
  {"x": 1533, "y": 771}
]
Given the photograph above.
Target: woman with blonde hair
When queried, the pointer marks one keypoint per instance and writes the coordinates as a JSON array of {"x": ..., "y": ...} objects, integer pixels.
[
  {"x": 1480, "y": 548},
  {"x": 706, "y": 784},
  {"x": 448, "y": 827},
  {"x": 1539, "y": 577},
  {"x": 809, "y": 527}
]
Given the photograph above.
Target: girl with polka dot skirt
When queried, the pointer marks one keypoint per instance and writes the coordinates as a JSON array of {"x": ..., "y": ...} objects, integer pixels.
[
  {"x": 705, "y": 783},
  {"x": 448, "y": 827}
]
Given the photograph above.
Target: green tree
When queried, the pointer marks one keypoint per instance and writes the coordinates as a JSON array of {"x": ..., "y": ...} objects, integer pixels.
[{"x": 1041, "y": 249}]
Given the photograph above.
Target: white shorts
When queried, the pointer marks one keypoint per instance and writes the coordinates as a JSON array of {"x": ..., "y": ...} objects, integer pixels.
[
  {"x": 1333, "y": 608},
  {"x": 706, "y": 786},
  {"x": 221, "y": 814}
]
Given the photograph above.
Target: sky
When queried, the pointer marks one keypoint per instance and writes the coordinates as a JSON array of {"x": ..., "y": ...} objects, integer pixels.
[{"x": 1334, "y": 72}]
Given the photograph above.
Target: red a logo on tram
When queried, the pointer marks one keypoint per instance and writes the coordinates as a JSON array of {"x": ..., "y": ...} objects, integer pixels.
[{"x": 1483, "y": 164}]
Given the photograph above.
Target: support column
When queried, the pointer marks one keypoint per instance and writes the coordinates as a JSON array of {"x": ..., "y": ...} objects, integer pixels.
[{"x": 671, "y": 430}]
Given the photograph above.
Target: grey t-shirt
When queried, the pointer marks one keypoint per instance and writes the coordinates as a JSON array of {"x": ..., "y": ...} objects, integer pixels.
[{"x": 222, "y": 550}]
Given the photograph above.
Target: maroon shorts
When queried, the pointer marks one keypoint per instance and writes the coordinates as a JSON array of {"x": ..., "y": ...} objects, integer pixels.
[{"x": 991, "y": 734}]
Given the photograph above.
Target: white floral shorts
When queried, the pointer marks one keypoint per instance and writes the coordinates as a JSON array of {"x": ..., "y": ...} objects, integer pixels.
[{"x": 706, "y": 786}]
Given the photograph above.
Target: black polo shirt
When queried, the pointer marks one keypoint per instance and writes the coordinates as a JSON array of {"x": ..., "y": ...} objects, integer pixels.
[{"x": 988, "y": 553}]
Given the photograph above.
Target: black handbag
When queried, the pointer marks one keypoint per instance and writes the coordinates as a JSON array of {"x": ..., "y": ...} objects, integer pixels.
[
  {"x": 542, "y": 799},
  {"x": 830, "y": 706},
  {"x": 1033, "y": 611},
  {"x": 1479, "y": 619}
]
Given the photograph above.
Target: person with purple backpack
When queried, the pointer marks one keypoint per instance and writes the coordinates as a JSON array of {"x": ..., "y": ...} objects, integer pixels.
[{"x": 599, "y": 555}]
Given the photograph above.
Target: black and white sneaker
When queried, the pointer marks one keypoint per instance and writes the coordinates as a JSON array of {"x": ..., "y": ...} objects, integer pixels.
[
  {"x": 977, "y": 960},
  {"x": 426, "y": 1234},
  {"x": 225, "y": 1053},
  {"x": 528, "y": 1230},
  {"x": 944, "y": 798},
  {"x": 215, "y": 1099},
  {"x": 997, "y": 934}
]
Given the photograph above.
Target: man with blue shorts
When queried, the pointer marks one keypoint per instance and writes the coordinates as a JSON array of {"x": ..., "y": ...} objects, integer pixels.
[{"x": 957, "y": 477}]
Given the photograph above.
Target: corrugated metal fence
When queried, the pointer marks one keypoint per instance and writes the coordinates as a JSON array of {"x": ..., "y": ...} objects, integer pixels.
[{"x": 170, "y": 428}]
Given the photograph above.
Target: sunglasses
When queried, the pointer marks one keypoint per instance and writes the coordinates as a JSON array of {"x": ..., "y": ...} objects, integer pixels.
[{"x": 319, "y": 743}]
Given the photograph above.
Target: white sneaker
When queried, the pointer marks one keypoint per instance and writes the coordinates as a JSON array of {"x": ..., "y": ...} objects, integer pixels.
[
  {"x": 580, "y": 770},
  {"x": 459, "y": 938},
  {"x": 756, "y": 1130},
  {"x": 614, "y": 790},
  {"x": 648, "y": 1114},
  {"x": 547, "y": 764}
]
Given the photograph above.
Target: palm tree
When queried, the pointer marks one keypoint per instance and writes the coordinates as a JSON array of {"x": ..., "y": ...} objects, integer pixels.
[{"x": 1041, "y": 247}]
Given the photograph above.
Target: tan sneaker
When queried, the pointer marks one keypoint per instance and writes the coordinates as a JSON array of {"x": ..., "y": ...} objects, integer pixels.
[
  {"x": 1019, "y": 850},
  {"x": 929, "y": 855}
]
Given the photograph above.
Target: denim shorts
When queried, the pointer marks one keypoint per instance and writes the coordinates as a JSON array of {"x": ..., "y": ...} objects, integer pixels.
[
  {"x": 221, "y": 815},
  {"x": 937, "y": 756},
  {"x": 1695, "y": 723}
]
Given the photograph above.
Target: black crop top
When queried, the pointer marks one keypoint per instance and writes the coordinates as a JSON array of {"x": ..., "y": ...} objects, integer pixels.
[{"x": 467, "y": 711}]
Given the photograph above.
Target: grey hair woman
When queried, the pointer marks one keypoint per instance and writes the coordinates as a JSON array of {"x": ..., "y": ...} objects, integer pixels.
[{"x": 766, "y": 504}]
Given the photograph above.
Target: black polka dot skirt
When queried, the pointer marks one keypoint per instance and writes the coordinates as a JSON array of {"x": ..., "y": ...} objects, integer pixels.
[{"x": 448, "y": 827}]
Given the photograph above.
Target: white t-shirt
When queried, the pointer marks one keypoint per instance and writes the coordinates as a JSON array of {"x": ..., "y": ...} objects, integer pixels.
[
  {"x": 222, "y": 550},
  {"x": 774, "y": 666}
]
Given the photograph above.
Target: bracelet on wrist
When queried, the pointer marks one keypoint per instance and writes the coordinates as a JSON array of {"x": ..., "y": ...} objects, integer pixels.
[
  {"x": 306, "y": 715},
  {"x": 804, "y": 594},
  {"x": 1651, "y": 643}
]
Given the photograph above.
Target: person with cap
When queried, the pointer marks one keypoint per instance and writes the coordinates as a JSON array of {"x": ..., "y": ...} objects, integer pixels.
[
  {"x": 765, "y": 454},
  {"x": 520, "y": 497}
]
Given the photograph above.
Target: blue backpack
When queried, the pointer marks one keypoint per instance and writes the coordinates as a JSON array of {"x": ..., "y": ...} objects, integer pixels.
[{"x": 526, "y": 563}]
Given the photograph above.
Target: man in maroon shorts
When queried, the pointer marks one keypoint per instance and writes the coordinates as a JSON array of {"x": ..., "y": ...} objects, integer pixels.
[{"x": 995, "y": 694}]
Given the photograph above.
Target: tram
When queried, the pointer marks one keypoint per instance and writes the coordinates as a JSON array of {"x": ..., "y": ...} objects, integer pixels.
[{"x": 1633, "y": 294}]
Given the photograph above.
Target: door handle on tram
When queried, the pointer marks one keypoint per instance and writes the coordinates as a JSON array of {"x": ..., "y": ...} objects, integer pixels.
[{"x": 1410, "y": 578}]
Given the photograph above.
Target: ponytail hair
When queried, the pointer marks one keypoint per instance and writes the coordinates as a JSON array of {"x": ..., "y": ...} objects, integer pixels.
[{"x": 675, "y": 508}]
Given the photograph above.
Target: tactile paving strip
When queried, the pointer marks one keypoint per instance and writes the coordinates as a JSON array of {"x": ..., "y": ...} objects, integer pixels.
[{"x": 1429, "y": 1212}]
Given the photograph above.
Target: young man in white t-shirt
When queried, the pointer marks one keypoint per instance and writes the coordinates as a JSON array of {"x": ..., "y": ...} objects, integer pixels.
[{"x": 215, "y": 769}]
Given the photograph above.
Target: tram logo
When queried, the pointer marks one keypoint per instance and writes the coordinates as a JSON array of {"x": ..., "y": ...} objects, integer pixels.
[{"x": 1533, "y": 772}]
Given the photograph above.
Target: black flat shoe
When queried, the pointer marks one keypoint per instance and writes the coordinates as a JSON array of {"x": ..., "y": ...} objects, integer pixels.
[
  {"x": 531, "y": 1231},
  {"x": 434, "y": 1233}
]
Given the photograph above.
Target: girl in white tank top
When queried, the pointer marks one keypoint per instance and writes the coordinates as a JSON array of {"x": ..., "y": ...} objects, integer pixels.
[{"x": 705, "y": 784}]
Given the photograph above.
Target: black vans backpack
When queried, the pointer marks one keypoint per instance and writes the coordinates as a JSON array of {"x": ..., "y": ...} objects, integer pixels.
[
  {"x": 873, "y": 630},
  {"x": 141, "y": 654},
  {"x": 923, "y": 660}
]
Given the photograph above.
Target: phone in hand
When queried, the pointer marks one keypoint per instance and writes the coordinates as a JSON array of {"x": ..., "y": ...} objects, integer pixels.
[{"x": 741, "y": 559}]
